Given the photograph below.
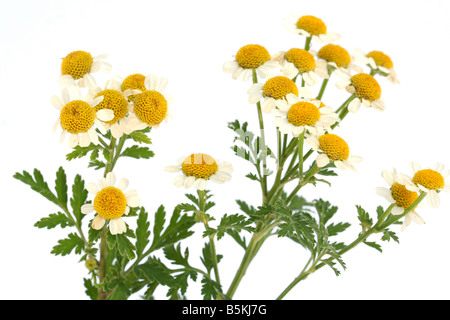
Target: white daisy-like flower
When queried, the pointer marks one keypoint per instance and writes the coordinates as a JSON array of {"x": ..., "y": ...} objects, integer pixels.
[
  {"x": 379, "y": 63},
  {"x": 401, "y": 197},
  {"x": 151, "y": 106},
  {"x": 79, "y": 118},
  {"x": 274, "y": 89},
  {"x": 295, "y": 115},
  {"x": 248, "y": 59},
  {"x": 110, "y": 203},
  {"x": 299, "y": 62},
  {"x": 77, "y": 68},
  {"x": 429, "y": 180},
  {"x": 365, "y": 88},
  {"x": 310, "y": 26},
  {"x": 332, "y": 148},
  {"x": 199, "y": 168},
  {"x": 335, "y": 58}
]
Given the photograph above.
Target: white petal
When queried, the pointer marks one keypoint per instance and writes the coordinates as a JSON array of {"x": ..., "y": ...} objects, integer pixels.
[
  {"x": 92, "y": 188},
  {"x": 397, "y": 210},
  {"x": 87, "y": 208},
  {"x": 200, "y": 184},
  {"x": 117, "y": 226},
  {"x": 178, "y": 181},
  {"x": 189, "y": 182},
  {"x": 105, "y": 114},
  {"x": 322, "y": 160},
  {"x": 172, "y": 169},
  {"x": 386, "y": 193},
  {"x": 388, "y": 176},
  {"x": 133, "y": 201},
  {"x": 354, "y": 105},
  {"x": 84, "y": 139},
  {"x": 110, "y": 179},
  {"x": 123, "y": 184},
  {"x": 416, "y": 218},
  {"x": 57, "y": 102},
  {"x": 433, "y": 199},
  {"x": 98, "y": 222}
]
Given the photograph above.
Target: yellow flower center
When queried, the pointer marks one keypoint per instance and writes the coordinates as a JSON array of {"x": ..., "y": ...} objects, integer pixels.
[
  {"x": 114, "y": 100},
  {"x": 336, "y": 54},
  {"x": 302, "y": 59},
  {"x": 430, "y": 179},
  {"x": 381, "y": 59},
  {"x": 150, "y": 107},
  {"x": 403, "y": 197},
  {"x": 334, "y": 147},
  {"x": 366, "y": 87},
  {"x": 134, "y": 81},
  {"x": 312, "y": 25},
  {"x": 252, "y": 56},
  {"x": 110, "y": 203},
  {"x": 77, "y": 116},
  {"x": 278, "y": 87},
  {"x": 303, "y": 114},
  {"x": 77, "y": 64},
  {"x": 199, "y": 165}
]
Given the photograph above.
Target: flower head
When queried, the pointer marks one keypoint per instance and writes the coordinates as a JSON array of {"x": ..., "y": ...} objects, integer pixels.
[
  {"x": 335, "y": 58},
  {"x": 151, "y": 106},
  {"x": 110, "y": 203},
  {"x": 197, "y": 169},
  {"x": 429, "y": 180},
  {"x": 295, "y": 115},
  {"x": 79, "y": 118},
  {"x": 310, "y": 26},
  {"x": 332, "y": 148},
  {"x": 298, "y": 62},
  {"x": 249, "y": 58},
  {"x": 401, "y": 197},
  {"x": 379, "y": 63},
  {"x": 365, "y": 88},
  {"x": 77, "y": 66},
  {"x": 274, "y": 89},
  {"x": 134, "y": 81}
]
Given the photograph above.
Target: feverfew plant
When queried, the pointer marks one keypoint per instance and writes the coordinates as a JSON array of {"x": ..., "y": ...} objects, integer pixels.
[{"x": 287, "y": 88}]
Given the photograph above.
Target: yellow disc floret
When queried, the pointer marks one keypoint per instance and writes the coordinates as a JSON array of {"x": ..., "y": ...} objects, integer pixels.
[
  {"x": 77, "y": 116},
  {"x": 77, "y": 64},
  {"x": 303, "y": 114},
  {"x": 278, "y": 87},
  {"x": 110, "y": 203},
  {"x": 134, "y": 81},
  {"x": 199, "y": 165},
  {"x": 150, "y": 107},
  {"x": 366, "y": 87},
  {"x": 252, "y": 56},
  {"x": 312, "y": 25},
  {"x": 403, "y": 197},
  {"x": 430, "y": 179},
  {"x": 302, "y": 59},
  {"x": 334, "y": 147},
  {"x": 381, "y": 59},
  {"x": 336, "y": 54},
  {"x": 114, "y": 100}
]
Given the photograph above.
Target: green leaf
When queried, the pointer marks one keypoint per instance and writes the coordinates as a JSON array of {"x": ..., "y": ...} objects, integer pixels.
[
  {"x": 125, "y": 247},
  {"x": 120, "y": 291},
  {"x": 388, "y": 235},
  {"x": 334, "y": 229},
  {"x": 137, "y": 152},
  {"x": 178, "y": 228},
  {"x": 210, "y": 288},
  {"x": 61, "y": 186},
  {"x": 54, "y": 220},
  {"x": 364, "y": 218},
  {"x": 79, "y": 152},
  {"x": 154, "y": 270},
  {"x": 373, "y": 245},
  {"x": 38, "y": 184},
  {"x": 230, "y": 222},
  {"x": 142, "y": 232},
  {"x": 91, "y": 290},
  {"x": 66, "y": 246},
  {"x": 79, "y": 197},
  {"x": 96, "y": 164},
  {"x": 175, "y": 255},
  {"x": 140, "y": 136}
]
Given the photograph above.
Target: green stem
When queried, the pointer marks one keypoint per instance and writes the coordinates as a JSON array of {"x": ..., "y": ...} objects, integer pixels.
[
  {"x": 308, "y": 43},
  {"x": 202, "y": 207},
  {"x": 322, "y": 89},
  {"x": 263, "y": 145},
  {"x": 379, "y": 226},
  {"x": 300, "y": 156}
]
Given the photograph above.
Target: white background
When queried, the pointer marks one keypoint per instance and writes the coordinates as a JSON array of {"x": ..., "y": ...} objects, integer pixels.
[{"x": 188, "y": 42}]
